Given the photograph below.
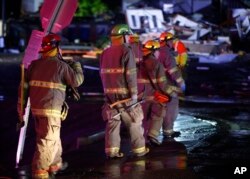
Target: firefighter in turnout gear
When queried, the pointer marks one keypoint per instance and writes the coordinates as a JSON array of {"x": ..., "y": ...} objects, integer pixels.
[
  {"x": 45, "y": 84},
  {"x": 152, "y": 78},
  {"x": 134, "y": 41},
  {"x": 174, "y": 76},
  {"x": 118, "y": 75},
  {"x": 181, "y": 56}
]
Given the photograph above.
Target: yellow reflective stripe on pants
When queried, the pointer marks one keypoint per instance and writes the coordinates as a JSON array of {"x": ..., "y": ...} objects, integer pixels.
[
  {"x": 46, "y": 112},
  {"x": 139, "y": 150},
  {"x": 112, "y": 150}
]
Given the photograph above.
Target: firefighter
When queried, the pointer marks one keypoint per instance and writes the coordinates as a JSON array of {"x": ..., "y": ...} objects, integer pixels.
[
  {"x": 46, "y": 80},
  {"x": 134, "y": 41},
  {"x": 174, "y": 76},
  {"x": 152, "y": 79},
  {"x": 118, "y": 75},
  {"x": 181, "y": 55}
]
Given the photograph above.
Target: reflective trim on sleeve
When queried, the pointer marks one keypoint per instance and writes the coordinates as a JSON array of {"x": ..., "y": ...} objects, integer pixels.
[
  {"x": 112, "y": 70},
  {"x": 44, "y": 84},
  {"x": 116, "y": 90},
  {"x": 134, "y": 90},
  {"x": 146, "y": 81},
  {"x": 170, "y": 89},
  {"x": 172, "y": 70},
  {"x": 131, "y": 71},
  {"x": 179, "y": 80},
  {"x": 161, "y": 79},
  {"x": 176, "y": 43},
  {"x": 142, "y": 80}
]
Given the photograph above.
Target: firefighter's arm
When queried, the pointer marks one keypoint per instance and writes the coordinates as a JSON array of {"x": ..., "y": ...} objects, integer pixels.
[
  {"x": 174, "y": 91},
  {"x": 161, "y": 79},
  {"x": 74, "y": 74},
  {"x": 175, "y": 73},
  {"x": 131, "y": 76}
]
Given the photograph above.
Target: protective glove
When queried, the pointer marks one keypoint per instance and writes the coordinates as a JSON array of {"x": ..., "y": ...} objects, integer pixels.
[
  {"x": 75, "y": 65},
  {"x": 174, "y": 95},
  {"x": 134, "y": 99},
  {"x": 183, "y": 87}
]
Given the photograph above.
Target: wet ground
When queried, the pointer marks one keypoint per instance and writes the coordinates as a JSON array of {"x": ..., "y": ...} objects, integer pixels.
[{"x": 214, "y": 141}]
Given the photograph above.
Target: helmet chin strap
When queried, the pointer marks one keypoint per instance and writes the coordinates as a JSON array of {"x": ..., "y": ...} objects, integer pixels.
[
  {"x": 51, "y": 53},
  {"x": 59, "y": 53},
  {"x": 124, "y": 38}
]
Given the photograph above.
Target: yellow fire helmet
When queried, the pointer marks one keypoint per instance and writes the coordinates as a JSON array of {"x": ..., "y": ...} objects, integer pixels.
[
  {"x": 150, "y": 46},
  {"x": 165, "y": 36}
]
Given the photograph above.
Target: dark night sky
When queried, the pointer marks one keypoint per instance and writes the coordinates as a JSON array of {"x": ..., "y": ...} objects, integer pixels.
[{"x": 12, "y": 7}]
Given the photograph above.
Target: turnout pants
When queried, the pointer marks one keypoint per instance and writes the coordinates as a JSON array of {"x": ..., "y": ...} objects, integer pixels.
[
  {"x": 133, "y": 122},
  {"x": 48, "y": 143},
  {"x": 172, "y": 110},
  {"x": 154, "y": 113}
]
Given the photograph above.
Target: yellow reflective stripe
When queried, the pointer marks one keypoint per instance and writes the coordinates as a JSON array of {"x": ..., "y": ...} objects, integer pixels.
[
  {"x": 152, "y": 132},
  {"x": 179, "y": 80},
  {"x": 172, "y": 70},
  {"x": 79, "y": 79},
  {"x": 116, "y": 90},
  {"x": 170, "y": 89},
  {"x": 161, "y": 79},
  {"x": 112, "y": 70},
  {"x": 139, "y": 150},
  {"x": 137, "y": 59},
  {"x": 142, "y": 80},
  {"x": 131, "y": 71},
  {"x": 134, "y": 90},
  {"x": 45, "y": 84},
  {"x": 25, "y": 85},
  {"x": 112, "y": 150},
  {"x": 46, "y": 112}
]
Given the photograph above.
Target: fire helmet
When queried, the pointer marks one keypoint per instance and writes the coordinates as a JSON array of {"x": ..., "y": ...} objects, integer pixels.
[
  {"x": 150, "y": 46},
  {"x": 165, "y": 36},
  {"x": 50, "y": 42},
  {"x": 121, "y": 29}
]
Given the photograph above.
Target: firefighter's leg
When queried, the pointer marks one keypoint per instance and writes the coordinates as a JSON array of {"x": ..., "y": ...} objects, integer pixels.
[
  {"x": 158, "y": 112},
  {"x": 57, "y": 164},
  {"x": 133, "y": 122},
  {"x": 172, "y": 110},
  {"x": 57, "y": 153},
  {"x": 146, "y": 107},
  {"x": 112, "y": 138},
  {"x": 48, "y": 135}
]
